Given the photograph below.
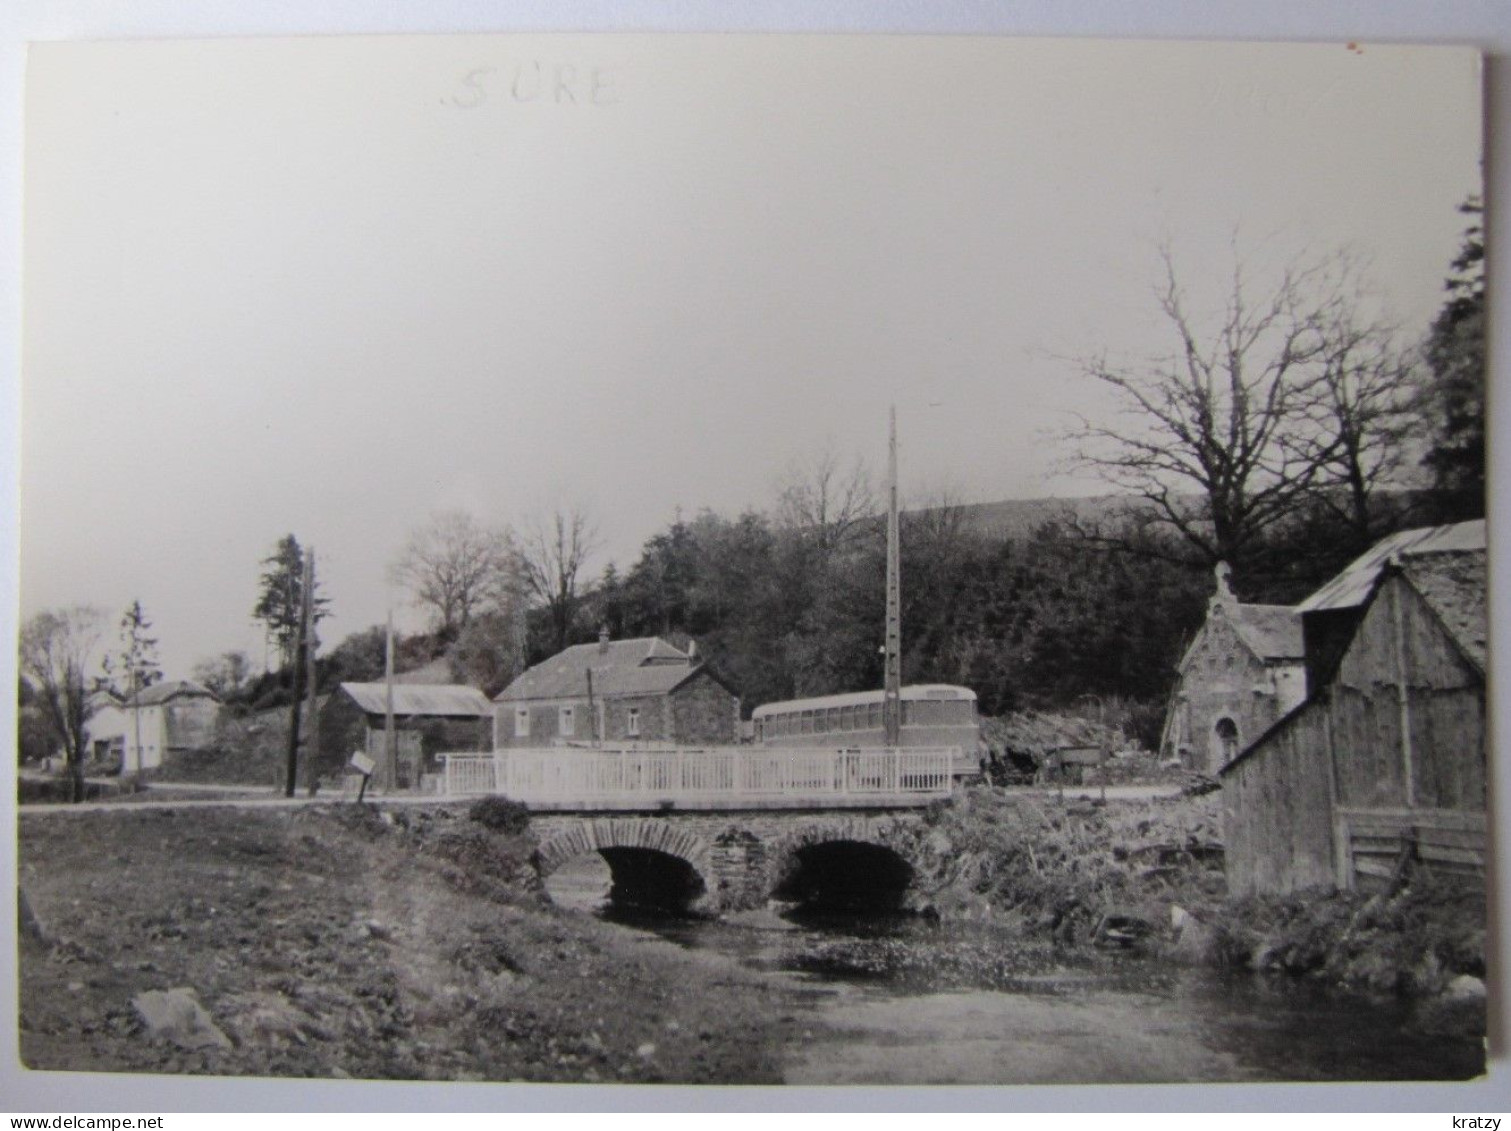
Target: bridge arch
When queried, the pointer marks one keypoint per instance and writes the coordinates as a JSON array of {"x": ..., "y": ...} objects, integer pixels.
[
  {"x": 653, "y": 862},
  {"x": 854, "y": 863}
]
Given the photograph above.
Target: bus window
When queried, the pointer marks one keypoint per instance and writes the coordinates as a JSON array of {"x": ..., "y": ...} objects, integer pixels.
[
  {"x": 846, "y": 718},
  {"x": 873, "y": 715},
  {"x": 807, "y": 722},
  {"x": 908, "y": 713}
]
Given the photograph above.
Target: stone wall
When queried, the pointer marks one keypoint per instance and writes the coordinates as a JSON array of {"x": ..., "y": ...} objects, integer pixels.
[
  {"x": 704, "y": 713},
  {"x": 740, "y": 856},
  {"x": 1224, "y": 679}
]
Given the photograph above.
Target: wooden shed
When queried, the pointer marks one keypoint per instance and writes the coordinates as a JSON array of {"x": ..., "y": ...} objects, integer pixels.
[
  {"x": 1383, "y": 767},
  {"x": 429, "y": 719}
]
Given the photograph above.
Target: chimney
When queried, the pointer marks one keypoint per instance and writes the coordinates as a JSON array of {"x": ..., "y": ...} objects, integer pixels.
[{"x": 603, "y": 640}]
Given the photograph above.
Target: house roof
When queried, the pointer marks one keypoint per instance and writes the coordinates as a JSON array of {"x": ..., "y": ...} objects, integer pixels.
[
  {"x": 170, "y": 689},
  {"x": 1353, "y": 586},
  {"x": 646, "y": 665},
  {"x": 1272, "y": 631},
  {"x": 447, "y": 700},
  {"x": 911, "y": 694},
  {"x": 1454, "y": 586}
]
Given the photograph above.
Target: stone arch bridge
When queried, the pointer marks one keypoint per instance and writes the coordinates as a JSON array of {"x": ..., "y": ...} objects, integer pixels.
[
  {"x": 728, "y": 860},
  {"x": 723, "y": 827}
]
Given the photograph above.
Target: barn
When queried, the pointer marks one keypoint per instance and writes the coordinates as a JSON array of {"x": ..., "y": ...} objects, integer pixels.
[
  {"x": 1383, "y": 767},
  {"x": 1242, "y": 672},
  {"x": 645, "y": 690},
  {"x": 429, "y": 719}
]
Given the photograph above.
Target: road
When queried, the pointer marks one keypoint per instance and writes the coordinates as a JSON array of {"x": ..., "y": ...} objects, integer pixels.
[{"x": 254, "y": 797}]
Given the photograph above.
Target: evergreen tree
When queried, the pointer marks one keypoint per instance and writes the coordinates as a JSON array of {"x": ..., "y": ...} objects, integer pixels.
[
  {"x": 135, "y": 666},
  {"x": 280, "y": 596},
  {"x": 1455, "y": 395}
]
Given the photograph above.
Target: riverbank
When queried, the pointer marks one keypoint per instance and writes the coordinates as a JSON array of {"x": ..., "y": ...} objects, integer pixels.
[
  {"x": 1147, "y": 874},
  {"x": 333, "y": 941}
]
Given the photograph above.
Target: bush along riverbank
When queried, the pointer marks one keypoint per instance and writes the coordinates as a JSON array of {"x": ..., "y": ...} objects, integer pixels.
[{"x": 1146, "y": 876}]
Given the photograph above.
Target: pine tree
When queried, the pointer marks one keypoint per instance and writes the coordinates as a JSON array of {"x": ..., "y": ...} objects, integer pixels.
[
  {"x": 282, "y": 590},
  {"x": 136, "y": 662}
]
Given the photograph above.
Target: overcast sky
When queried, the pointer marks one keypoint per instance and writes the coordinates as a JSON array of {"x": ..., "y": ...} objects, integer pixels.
[{"x": 331, "y": 286}]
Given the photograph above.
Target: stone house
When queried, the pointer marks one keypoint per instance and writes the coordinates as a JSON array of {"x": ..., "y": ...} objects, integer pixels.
[
  {"x": 1383, "y": 768},
  {"x": 176, "y": 714},
  {"x": 1243, "y": 671},
  {"x": 640, "y": 691}
]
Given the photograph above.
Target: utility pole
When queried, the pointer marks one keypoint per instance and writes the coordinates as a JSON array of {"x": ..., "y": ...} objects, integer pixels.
[
  {"x": 311, "y": 645},
  {"x": 388, "y": 772},
  {"x": 891, "y": 702},
  {"x": 292, "y": 768}
]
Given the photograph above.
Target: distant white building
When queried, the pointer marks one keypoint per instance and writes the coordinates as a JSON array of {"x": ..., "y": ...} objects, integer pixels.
[
  {"x": 173, "y": 715},
  {"x": 105, "y": 730}
]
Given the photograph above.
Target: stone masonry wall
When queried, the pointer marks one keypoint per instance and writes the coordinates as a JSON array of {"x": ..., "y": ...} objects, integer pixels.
[{"x": 741, "y": 856}]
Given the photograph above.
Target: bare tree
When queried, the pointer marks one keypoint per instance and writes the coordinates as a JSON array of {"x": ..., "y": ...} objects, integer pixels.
[
  {"x": 455, "y": 566},
  {"x": 61, "y": 656},
  {"x": 827, "y": 501},
  {"x": 227, "y": 674},
  {"x": 553, "y": 550},
  {"x": 1228, "y": 434},
  {"x": 1359, "y": 413}
]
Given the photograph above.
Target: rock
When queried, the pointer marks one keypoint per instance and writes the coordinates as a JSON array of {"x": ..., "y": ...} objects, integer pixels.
[
  {"x": 31, "y": 928},
  {"x": 1120, "y": 930},
  {"x": 1195, "y": 942},
  {"x": 266, "y": 1018},
  {"x": 176, "y": 1015},
  {"x": 1466, "y": 987}
]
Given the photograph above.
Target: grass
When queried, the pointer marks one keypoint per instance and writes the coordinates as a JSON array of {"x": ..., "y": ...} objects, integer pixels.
[{"x": 328, "y": 941}]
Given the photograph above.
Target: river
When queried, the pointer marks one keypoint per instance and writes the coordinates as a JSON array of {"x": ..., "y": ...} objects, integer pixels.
[{"x": 899, "y": 1001}]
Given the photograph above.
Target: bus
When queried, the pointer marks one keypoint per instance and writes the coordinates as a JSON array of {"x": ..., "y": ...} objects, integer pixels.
[{"x": 933, "y": 714}]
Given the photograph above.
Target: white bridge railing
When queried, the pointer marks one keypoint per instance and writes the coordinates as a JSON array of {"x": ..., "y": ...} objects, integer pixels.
[{"x": 587, "y": 775}]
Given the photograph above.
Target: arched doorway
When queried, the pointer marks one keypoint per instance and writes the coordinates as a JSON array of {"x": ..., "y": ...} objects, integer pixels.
[{"x": 1224, "y": 742}]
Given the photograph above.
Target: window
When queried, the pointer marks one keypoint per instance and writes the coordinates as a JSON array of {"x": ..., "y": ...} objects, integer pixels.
[
  {"x": 807, "y": 722},
  {"x": 566, "y": 721},
  {"x": 522, "y": 722},
  {"x": 632, "y": 722}
]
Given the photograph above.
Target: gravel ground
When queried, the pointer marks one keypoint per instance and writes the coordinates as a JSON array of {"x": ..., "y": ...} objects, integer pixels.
[{"x": 325, "y": 941}]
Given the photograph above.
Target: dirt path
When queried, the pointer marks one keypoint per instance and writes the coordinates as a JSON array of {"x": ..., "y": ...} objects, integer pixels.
[{"x": 326, "y": 941}]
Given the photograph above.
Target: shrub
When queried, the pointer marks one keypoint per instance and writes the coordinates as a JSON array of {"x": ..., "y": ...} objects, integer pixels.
[{"x": 500, "y": 815}]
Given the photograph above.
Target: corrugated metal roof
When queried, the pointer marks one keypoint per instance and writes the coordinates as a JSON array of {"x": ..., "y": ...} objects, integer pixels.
[
  {"x": 1454, "y": 586},
  {"x": 1352, "y": 587},
  {"x": 646, "y": 665},
  {"x": 448, "y": 700}
]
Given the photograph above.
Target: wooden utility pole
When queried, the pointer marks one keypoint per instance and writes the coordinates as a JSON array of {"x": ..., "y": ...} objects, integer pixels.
[
  {"x": 312, "y": 679},
  {"x": 891, "y": 702},
  {"x": 388, "y": 772},
  {"x": 291, "y": 770}
]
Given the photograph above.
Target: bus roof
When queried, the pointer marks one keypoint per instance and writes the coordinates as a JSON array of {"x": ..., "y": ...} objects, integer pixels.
[{"x": 937, "y": 691}]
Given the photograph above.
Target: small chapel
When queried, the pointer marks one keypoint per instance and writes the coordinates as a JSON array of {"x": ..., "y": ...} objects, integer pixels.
[{"x": 1244, "y": 670}]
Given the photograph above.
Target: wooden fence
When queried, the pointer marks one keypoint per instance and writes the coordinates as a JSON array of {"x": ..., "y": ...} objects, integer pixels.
[{"x": 1376, "y": 846}]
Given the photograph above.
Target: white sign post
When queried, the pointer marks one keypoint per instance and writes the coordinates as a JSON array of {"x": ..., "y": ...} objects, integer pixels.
[{"x": 365, "y": 766}]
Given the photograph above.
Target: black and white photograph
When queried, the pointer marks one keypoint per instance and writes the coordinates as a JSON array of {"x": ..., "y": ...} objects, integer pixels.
[{"x": 753, "y": 559}]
